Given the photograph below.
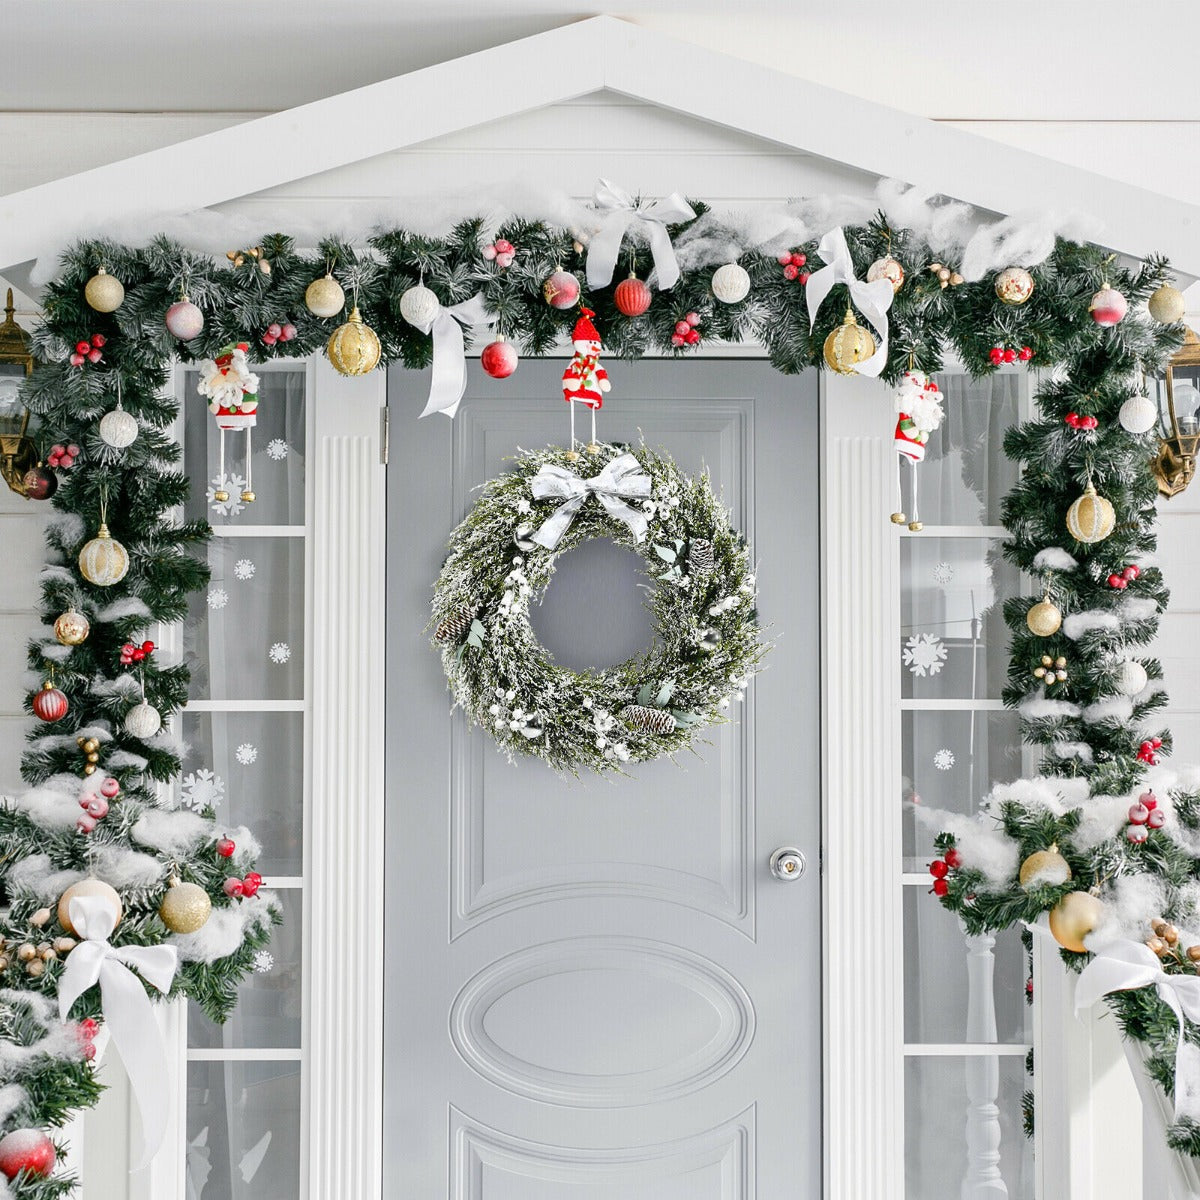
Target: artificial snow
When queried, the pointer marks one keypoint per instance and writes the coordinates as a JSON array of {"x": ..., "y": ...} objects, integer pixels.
[
  {"x": 1077, "y": 624},
  {"x": 1139, "y": 608},
  {"x": 66, "y": 528},
  {"x": 123, "y": 610},
  {"x": 128, "y": 868},
  {"x": 1110, "y": 708},
  {"x": 54, "y": 804},
  {"x": 1053, "y": 558},
  {"x": 1079, "y": 750},
  {"x": 53, "y": 574},
  {"x": 1036, "y": 708},
  {"x": 36, "y": 876},
  {"x": 54, "y": 651},
  {"x": 225, "y": 929},
  {"x": 983, "y": 846},
  {"x": 126, "y": 759},
  {"x": 173, "y": 831}
]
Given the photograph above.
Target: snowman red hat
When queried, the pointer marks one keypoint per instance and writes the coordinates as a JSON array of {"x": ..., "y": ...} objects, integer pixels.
[{"x": 585, "y": 331}]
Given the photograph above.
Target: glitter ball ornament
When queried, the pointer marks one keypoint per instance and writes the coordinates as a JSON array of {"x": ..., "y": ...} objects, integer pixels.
[
  {"x": 354, "y": 348},
  {"x": 143, "y": 721},
  {"x": 87, "y": 887},
  {"x": 185, "y": 907},
  {"x": 1108, "y": 306},
  {"x": 118, "y": 428},
  {"x": 1167, "y": 304},
  {"x": 561, "y": 290},
  {"x": 1014, "y": 285},
  {"x": 1138, "y": 415},
  {"x": 419, "y": 306},
  {"x": 29, "y": 1151},
  {"x": 731, "y": 283},
  {"x": 103, "y": 561},
  {"x": 499, "y": 359},
  {"x": 1132, "y": 678},
  {"x": 39, "y": 483},
  {"x": 632, "y": 296},
  {"x": 1044, "y": 618},
  {"x": 1073, "y": 918},
  {"x": 887, "y": 268},
  {"x": 104, "y": 292},
  {"x": 1044, "y": 868},
  {"x": 49, "y": 704},
  {"x": 847, "y": 346},
  {"x": 1091, "y": 518},
  {"x": 184, "y": 320},
  {"x": 71, "y": 628},
  {"x": 324, "y": 297}
]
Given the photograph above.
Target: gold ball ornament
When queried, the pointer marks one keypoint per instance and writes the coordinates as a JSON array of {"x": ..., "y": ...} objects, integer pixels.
[
  {"x": 72, "y": 628},
  {"x": 1073, "y": 918},
  {"x": 887, "y": 268},
  {"x": 185, "y": 907},
  {"x": 1014, "y": 285},
  {"x": 1044, "y": 618},
  {"x": 1167, "y": 304},
  {"x": 1091, "y": 518},
  {"x": 87, "y": 887},
  {"x": 1044, "y": 868},
  {"x": 324, "y": 297},
  {"x": 103, "y": 561},
  {"x": 354, "y": 348},
  {"x": 104, "y": 292},
  {"x": 847, "y": 346}
]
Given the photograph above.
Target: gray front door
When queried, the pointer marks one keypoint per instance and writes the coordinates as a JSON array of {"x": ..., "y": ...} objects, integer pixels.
[{"x": 596, "y": 989}]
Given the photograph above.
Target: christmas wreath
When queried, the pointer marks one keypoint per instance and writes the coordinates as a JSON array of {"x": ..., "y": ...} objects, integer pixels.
[{"x": 503, "y": 556}]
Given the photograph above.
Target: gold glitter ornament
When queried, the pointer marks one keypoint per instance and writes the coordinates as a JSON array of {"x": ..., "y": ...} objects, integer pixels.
[
  {"x": 1044, "y": 868},
  {"x": 324, "y": 297},
  {"x": 1091, "y": 518},
  {"x": 103, "y": 561},
  {"x": 847, "y": 346},
  {"x": 354, "y": 347},
  {"x": 104, "y": 292},
  {"x": 1073, "y": 918},
  {"x": 185, "y": 907},
  {"x": 1044, "y": 618}
]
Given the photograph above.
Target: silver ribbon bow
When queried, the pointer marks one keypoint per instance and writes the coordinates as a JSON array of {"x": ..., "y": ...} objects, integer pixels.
[
  {"x": 622, "y": 479},
  {"x": 449, "y": 379},
  {"x": 871, "y": 299},
  {"x": 1121, "y": 965},
  {"x": 619, "y": 211},
  {"x": 126, "y": 1007}
]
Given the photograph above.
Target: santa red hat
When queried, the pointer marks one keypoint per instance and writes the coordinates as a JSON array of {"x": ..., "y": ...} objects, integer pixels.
[{"x": 585, "y": 331}]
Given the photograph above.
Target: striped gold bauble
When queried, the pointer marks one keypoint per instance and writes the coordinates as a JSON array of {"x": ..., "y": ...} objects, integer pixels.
[
  {"x": 1091, "y": 518},
  {"x": 103, "y": 561},
  {"x": 847, "y": 346},
  {"x": 354, "y": 347}
]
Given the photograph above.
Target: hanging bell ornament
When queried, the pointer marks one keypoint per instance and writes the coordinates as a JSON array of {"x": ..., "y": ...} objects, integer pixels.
[
  {"x": 71, "y": 628},
  {"x": 103, "y": 561},
  {"x": 185, "y": 907},
  {"x": 354, "y": 348},
  {"x": 847, "y": 346},
  {"x": 104, "y": 292},
  {"x": 1091, "y": 518},
  {"x": 324, "y": 297}
]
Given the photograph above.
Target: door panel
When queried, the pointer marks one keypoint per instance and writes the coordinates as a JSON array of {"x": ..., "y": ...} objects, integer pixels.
[{"x": 595, "y": 988}]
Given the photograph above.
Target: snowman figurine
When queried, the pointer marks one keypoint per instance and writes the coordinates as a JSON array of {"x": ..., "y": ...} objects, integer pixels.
[{"x": 585, "y": 381}]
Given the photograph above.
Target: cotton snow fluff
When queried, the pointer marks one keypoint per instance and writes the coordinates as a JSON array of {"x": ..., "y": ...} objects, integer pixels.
[
  {"x": 172, "y": 831},
  {"x": 1078, "y": 624},
  {"x": 1053, "y": 558},
  {"x": 984, "y": 847},
  {"x": 502, "y": 558},
  {"x": 225, "y": 930}
]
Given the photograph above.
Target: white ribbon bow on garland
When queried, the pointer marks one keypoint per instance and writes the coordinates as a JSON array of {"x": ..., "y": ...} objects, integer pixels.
[
  {"x": 128, "y": 1013},
  {"x": 871, "y": 299},
  {"x": 621, "y": 479},
  {"x": 1122, "y": 965},
  {"x": 449, "y": 379},
  {"x": 618, "y": 212}
]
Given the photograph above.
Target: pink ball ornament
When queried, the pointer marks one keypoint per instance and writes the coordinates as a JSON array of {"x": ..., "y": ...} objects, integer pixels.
[
  {"x": 784, "y": 259},
  {"x": 73, "y": 450},
  {"x": 499, "y": 359},
  {"x": 1108, "y": 306},
  {"x": 94, "y": 356},
  {"x": 97, "y": 807},
  {"x": 677, "y": 339},
  {"x": 504, "y": 259},
  {"x": 489, "y": 252},
  {"x": 77, "y": 359},
  {"x": 1149, "y": 799},
  {"x": 275, "y": 330},
  {"x": 28, "y": 1150},
  {"x": 269, "y": 339},
  {"x": 682, "y": 328},
  {"x": 790, "y": 271},
  {"x": 1137, "y": 834},
  {"x": 110, "y": 788},
  {"x": 184, "y": 320},
  {"x": 1157, "y": 819},
  {"x": 1139, "y": 814},
  {"x": 561, "y": 290},
  {"x": 86, "y": 824},
  {"x": 288, "y": 333},
  {"x": 504, "y": 246},
  {"x": 693, "y": 319}
]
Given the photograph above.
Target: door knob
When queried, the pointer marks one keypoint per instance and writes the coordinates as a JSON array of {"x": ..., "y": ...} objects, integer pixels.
[{"x": 787, "y": 863}]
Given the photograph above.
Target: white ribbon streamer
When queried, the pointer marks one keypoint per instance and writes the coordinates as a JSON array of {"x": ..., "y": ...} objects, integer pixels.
[
  {"x": 128, "y": 1013},
  {"x": 871, "y": 299},
  {"x": 618, "y": 212},
  {"x": 1121, "y": 965},
  {"x": 449, "y": 379},
  {"x": 621, "y": 479}
]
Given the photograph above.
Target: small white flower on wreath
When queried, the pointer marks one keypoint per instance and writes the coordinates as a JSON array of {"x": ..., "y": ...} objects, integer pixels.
[
  {"x": 262, "y": 962},
  {"x": 200, "y": 790},
  {"x": 279, "y": 653},
  {"x": 217, "y": 598},
  {"x": 277, "y": 449},
  {"x": 244, "y": 569},
  {"x": 943, "y": 759},
  {"x": 232, "y": 486},
  {"x": 924, "y": 654},
  {"x": 943, "y": 573},
  {"x": 524, "y": 507},
  {"x": 246, "y": 753}
]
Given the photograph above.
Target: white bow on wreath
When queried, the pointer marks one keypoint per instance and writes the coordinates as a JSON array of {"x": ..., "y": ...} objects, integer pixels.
[{"x": 622, "y": 479}]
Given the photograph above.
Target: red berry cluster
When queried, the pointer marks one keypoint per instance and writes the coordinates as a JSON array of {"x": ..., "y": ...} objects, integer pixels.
[
  {"x": 1002, "y": 354},
  {"x": 1082, "y": 423},
  {"x": 277, "y": 332},
  {"x": 501, "y": 252},
  {"x": 226, "y": 847},
  {"x": 133, "y": 654},
  {"x": 249, "y": 886},
  {"x": 62, "y": 456},
  {"x": 686, "y": 333},
  {"x": 86, "y": 1031},
  {"x": 793, "y": 266},
  {"x": 941, "y": 867},
  {"x": 89, "y": 351},
  {"x": 95, "y": 807},
  {"x": 1147, "y": 751},
  {"x": 1144, "y": 815},
  {"x": 1121, "y": 581}
]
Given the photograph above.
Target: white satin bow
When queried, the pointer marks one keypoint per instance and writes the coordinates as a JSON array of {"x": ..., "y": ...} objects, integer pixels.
[
  {"x": 449, "y": 379},
  {"x": 621, "y": 479},
  {"x": 126, "y": 1007},
  {"x": 618, "y": 210},
  {"x": 1121, "y": 965},
  {"x": 871, "y": 299}
]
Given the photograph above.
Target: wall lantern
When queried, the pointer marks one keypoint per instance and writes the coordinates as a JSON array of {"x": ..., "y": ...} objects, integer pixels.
[
  {"x": 1178, "y": 397},
  {"x": 17, "y": 451}
]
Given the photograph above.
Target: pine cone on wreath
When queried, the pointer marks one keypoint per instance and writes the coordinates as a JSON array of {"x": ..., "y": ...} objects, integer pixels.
[
  {"x": 647, "y": 719},
  {"x": 700, "y": 556},
  {"x": 455, "y": 625}
]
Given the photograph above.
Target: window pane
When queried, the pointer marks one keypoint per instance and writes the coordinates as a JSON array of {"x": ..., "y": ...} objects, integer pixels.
[{"x": 243, "y": 1131}]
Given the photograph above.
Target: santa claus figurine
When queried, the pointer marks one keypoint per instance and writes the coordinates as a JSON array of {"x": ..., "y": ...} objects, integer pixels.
[
  {"x": 919, "y": 410},
  {"x": 231, "y": 389}
]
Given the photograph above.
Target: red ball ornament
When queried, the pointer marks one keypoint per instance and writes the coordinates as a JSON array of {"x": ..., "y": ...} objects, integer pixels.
[
  {"x": 50, "y": 704},
  {"x": 86, "y": 824},
  {"x": 1132, "y": 571},
  {"x": 561, "y": 290},
  {"x": 1108, "y": 306},
  {"x": 783, "y": 259},
  {"x": 798, "y": 260},
  {"x": 682, "y": 328},
  {"x": 1010, "y": 355},
  {"x": 996, "y": 356},
  {"x": 692, "y": 337},
  {"x": 790, "y": 271},
  {"x": 39, "y": 483},
  {"x": 1025, "y": 354},
  {"x": 82, "y": 347},
  {"x": 288, "y": 333},
  {"x": 28, "y": 1150},
  {"x": 677, "y": 339},
  {"x": 96, "y": 807},
  {"x": 802, "y": 277},
  {"x": 953, "y": 858},
  {"x": 226, "y": 847},
  {"x": 251, "y": 885},
  {"x": 1149, "y": 799},
  {"x": 98, "y": 340},
  {"x": 632, "y": 296},
  {"x": 1115, "y": 581},
  {"x": 940, "y": 887},
  {"x": 499, "y": 359},
  {"x": 939, "y": 868}
]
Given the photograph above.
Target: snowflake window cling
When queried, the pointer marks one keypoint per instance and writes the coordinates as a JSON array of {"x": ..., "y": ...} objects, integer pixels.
[
  {"x": 277, "y": 449},
  {"x": 943, "y": 759},
  {"x": 217, "y": 598},
  {"x": 200, "y": 790},
  {"x": 223, "y": 494},
  {"x": 244, "y": 569},
  {"x": 246, "y": 753},
  {"x": 943, "y": 573},
  {"x": 263, "y": 961},
  {"x": 924, "y": 654},
  {"x": 279, "y": 653}
]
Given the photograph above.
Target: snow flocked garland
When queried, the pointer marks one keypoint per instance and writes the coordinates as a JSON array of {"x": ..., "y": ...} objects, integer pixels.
[{"x": 503, "y": 556}]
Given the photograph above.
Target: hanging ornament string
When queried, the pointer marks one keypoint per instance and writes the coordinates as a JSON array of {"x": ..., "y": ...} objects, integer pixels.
[
  {"x": 618, "y": 211},
  {"x": 872, "y": 299},
  {"x": 448, "y": 382}
]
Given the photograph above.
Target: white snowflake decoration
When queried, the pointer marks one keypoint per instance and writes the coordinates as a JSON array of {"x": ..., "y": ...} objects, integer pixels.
[
  {"x": 200, "y": 790},
  {"x": 943, "y": 573},
  {"x": 279, "y": 653},
  {"x": 246, "y": 753},
  {"x": 234, "y": 486},
  {"x": 943, "y": 759},
  {"x": 217, "y": 598},
  {"x": 924, "y": 654},
  {"x": 244, "y": 569},
  {"x": 263, "y": 961},
  {"x": 277, "y": 449}
]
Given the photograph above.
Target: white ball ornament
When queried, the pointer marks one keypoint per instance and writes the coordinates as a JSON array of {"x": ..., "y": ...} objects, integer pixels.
[
  {"x": 1014, "y": 285},
  {"x": 143, "y": 721},
  {"x": 1138, "y": 415},
  {"x": 184, "y": 320},
  {"x": 419, "y": 306},
  {"x": 118, "y": 429},
  {"x": 1132, "y": 678},
  {"x": 731, "y": 283},
  {"x": 1108, "y": 306},
  {"x": 324, "y": 297}
]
